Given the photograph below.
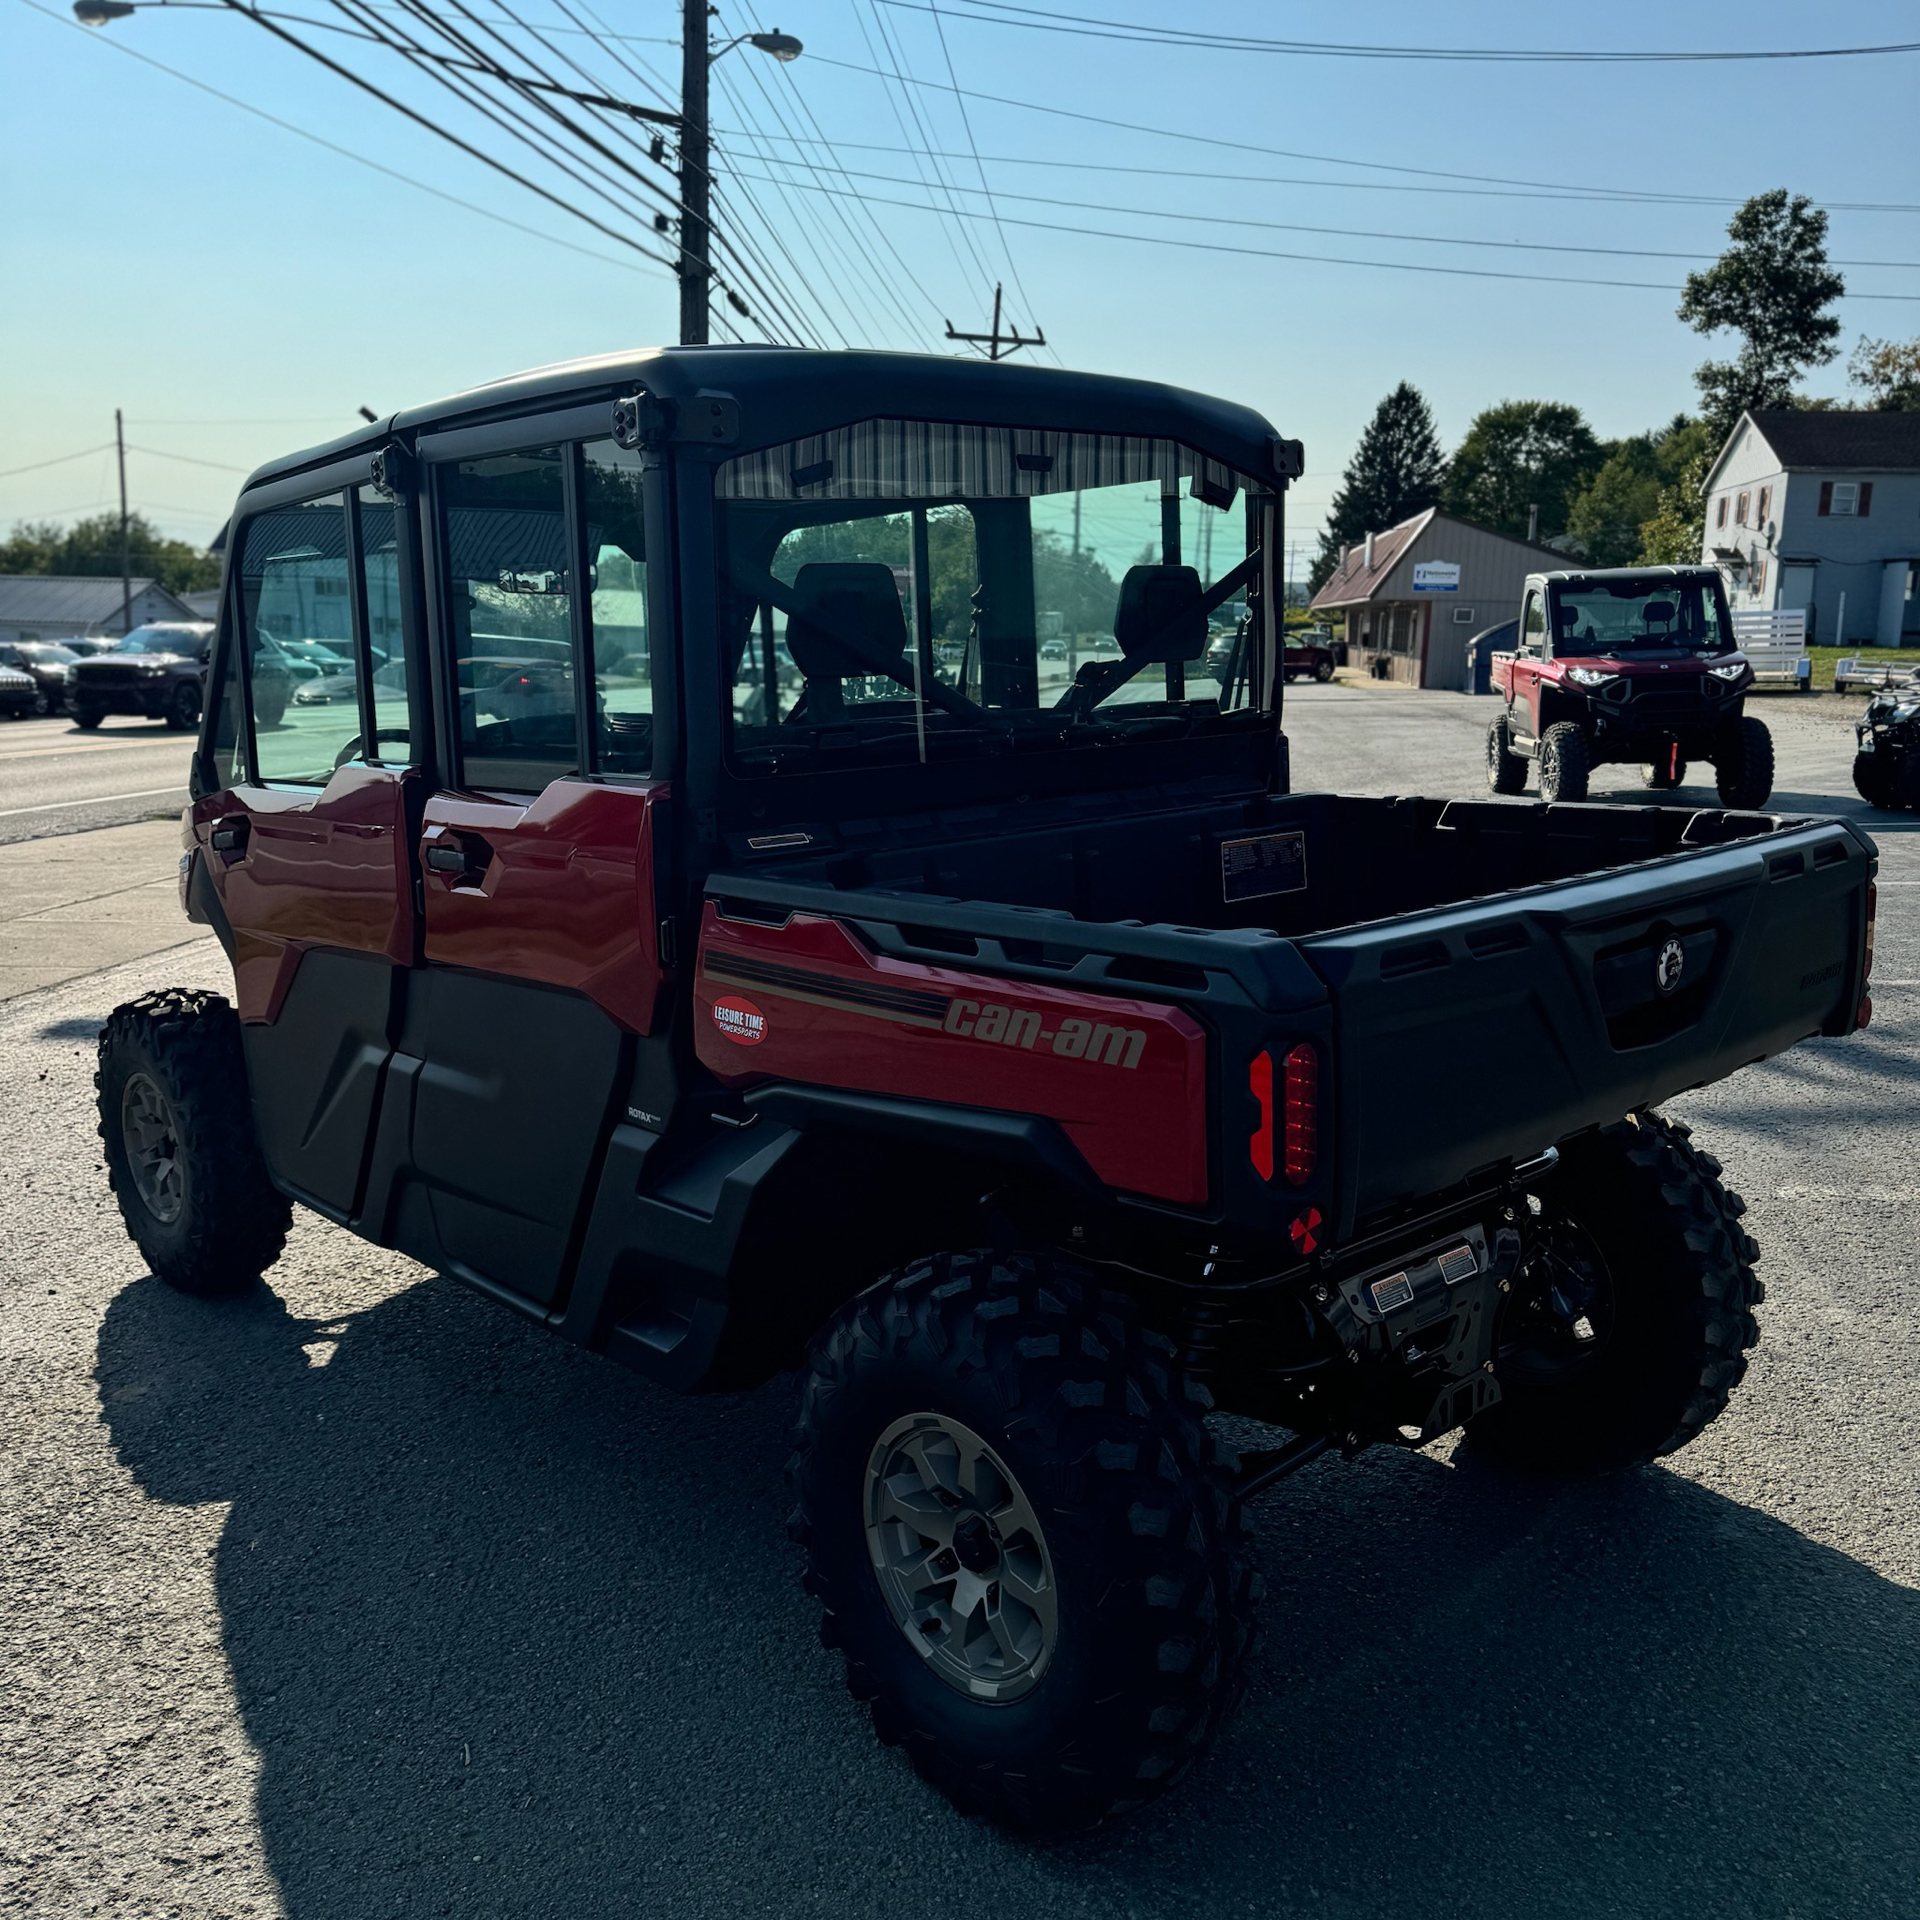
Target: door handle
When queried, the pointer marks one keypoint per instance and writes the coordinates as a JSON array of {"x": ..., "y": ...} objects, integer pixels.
[
  {"x": 447, "y": 859},
  {"x": 230, "y": 837},
  {"x": 462, "y": 858}
]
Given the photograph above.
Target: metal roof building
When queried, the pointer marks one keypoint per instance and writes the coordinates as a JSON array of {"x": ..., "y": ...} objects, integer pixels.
[{"x": 51, "y": 606}]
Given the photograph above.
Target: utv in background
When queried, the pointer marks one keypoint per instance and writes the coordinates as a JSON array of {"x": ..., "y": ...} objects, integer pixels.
[
  {"x": 1886, "y": 761},
  {"x": 726, "y": 944},
  {"x": 1627, "y": 664}
]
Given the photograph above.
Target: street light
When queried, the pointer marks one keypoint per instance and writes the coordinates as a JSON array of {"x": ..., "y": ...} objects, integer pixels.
[{"x": 96, "y": 13}]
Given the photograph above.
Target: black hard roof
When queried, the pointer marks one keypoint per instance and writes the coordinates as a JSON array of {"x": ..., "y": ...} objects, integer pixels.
[
  {"x": 784, "y": 392},
  {"x": 1626, "y": 573}
]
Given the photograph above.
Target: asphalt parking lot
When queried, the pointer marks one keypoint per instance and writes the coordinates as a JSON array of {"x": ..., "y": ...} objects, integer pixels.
[{"x": 363, "y": 1598}]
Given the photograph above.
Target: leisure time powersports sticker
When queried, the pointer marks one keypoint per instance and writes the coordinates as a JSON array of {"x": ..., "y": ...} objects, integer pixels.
[{"x": 740, "y": 1020}]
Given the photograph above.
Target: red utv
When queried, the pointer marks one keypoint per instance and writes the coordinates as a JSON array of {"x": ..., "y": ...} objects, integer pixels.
[{"x": 1627, "y": 664}]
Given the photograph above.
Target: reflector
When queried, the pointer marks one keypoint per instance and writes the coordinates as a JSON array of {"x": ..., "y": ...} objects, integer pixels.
[{"x": 1302, "y": 1114}]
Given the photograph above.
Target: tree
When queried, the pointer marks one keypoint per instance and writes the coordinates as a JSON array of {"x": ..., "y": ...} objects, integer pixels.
[
  {"x": 1520, "y": 455},
  {"x": 1772, "y": 286},
  {"x": 1674, "y": 532},
  {"x": 93, "y": 547},
  {"x": 1890, "y": 372},
  {"x": 1606, "y": 514},
  {"x": 1396, "y": 471}
]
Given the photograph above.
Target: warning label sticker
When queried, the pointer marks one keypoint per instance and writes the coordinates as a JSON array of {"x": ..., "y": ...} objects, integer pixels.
[{"x": 1263, "y": 864}]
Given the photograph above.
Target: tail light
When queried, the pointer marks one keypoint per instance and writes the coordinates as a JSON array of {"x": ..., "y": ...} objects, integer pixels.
[
  {"x": 1260, "y": 1144},
  {"x": 1865, "y": 1013},
  {"x": 1301, "y": 1115}
]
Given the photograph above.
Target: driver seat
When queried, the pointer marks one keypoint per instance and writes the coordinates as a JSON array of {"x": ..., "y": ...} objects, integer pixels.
[{"x": 846, "y": 623}]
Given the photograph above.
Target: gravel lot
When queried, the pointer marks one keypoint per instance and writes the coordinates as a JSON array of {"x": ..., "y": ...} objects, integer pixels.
[{"x": 362, "y": 1598}]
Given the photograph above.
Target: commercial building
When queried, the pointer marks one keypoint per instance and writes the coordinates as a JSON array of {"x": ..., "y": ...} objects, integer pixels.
[
  {"x": 1406, "y": 601},
  {"x": 1821, "y": 511}
]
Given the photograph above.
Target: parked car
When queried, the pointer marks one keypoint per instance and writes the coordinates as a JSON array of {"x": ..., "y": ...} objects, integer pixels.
[
  {"x": 159, "y": 672},
  {"x": 1307, "y": 659},
  {"x": 87, "y": 645},
  {"x": 1031, "y": 1080},
  {"x": 46, "y": 664},
  {"x": 1627, "y": 664},
  {"x": 1886, "y": 761},
  {"x": 19, "y": 693}
]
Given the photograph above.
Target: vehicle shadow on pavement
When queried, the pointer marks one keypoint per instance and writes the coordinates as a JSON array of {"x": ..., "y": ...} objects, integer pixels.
[{"x": 516, "y": 1634}]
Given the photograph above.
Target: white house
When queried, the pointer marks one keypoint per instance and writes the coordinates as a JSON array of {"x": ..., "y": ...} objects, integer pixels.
[{"x": 1822, "y": 511}]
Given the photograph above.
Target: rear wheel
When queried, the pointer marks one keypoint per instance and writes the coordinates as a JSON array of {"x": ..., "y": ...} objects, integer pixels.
[
  {"x": 176, "y": 1122},
  {"x": 1664, "y": 775},
  {"x": 183, "y": 707},
  {"x": 1323, "y": 672},
  {"x": 1565, "y": 762},
  {"x": 1023, "y": 1538},
  {"x": 1743, "y": 764},
  {"x": 1628, "y": 1327},
  {"x": 1506, "y": 770}
]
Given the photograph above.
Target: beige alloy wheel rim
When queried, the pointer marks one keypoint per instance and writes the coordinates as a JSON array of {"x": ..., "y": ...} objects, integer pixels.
[{"x": 960, "y": 1557}]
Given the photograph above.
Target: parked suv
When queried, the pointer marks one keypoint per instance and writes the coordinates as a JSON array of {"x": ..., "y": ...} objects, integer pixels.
[
  {"x": 159, "y": 671},
  {"x": 46, "y": 664},
  {"x": 1635, "y": 664},
  {"x": 19, "y": 693},
  {"x": 688, "y": 954}
]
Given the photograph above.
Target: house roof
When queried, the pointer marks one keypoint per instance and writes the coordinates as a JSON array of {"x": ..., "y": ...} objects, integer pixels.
[
  {"x": 70, "y": 599},
  {"x": 1878, "y": 442},
  {"x": 1354, "y": 580}
]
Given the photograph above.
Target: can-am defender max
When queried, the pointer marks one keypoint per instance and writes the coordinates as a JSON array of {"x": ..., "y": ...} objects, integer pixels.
[{"x": 730, "y": 941}]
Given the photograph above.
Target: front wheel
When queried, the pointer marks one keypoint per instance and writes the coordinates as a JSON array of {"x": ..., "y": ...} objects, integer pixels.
[
  {"x": 1022, "y": 1536},
  {"x": 1743, "y": 764},
  {"x": 1872, "y": 780},
  {"x": 1323, "y": 672},
  {"x": 1628, "y": 1325},
  {"x": 183, "y": 709},
  {"x": 176, "y": 1122},
  {"x": 1565, "y": 762},
  {"x": 87, "y": 718},
  {"x": 1506, "y": 770}
]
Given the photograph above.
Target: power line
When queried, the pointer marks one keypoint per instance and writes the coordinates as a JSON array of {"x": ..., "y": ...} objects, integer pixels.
[
  {"x": 185, "y": 459},
  {"x": 1356, "y": 233},
  {"x": 1323, "y": 259},
  {"x": 1002, "y": 13},
  {"x": 1324, "y": 159},
  {"x": 58, "y": 460}
]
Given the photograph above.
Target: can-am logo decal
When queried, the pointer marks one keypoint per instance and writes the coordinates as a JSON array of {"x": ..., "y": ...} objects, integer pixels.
[
  {"x": 1093, "y": 1040},
  {"x": 1668, "y": 968},
  {"x": 740, "y": 1020}
]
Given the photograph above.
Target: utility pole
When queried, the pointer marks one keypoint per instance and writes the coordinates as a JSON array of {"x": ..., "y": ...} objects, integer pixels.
[
  {"x": 126, "y": 566},
  {"x": 696, "y": 266},
  {"x": 998, "y": 344}
]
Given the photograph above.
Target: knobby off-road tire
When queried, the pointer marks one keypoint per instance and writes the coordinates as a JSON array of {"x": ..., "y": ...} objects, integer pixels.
[
  {"x": 177, "y": 1126},
  {"x": 1107, "y": 1454},
  {"x": 1871, "y": 780},
  {"x": 1506, "y": 770},
  {"x": 1743, "y": 764},
  {"x": 1663, "y": 779},
  {"x": 1565, "y": 762},
  {"x": 1642, "y": 1244}
]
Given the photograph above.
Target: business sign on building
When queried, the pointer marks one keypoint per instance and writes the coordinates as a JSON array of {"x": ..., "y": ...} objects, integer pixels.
[{"x": 1436, "y": 576}]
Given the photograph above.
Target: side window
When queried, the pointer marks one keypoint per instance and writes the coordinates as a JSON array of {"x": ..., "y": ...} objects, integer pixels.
[
  {"x": 395, "y": 712},
  {"x": 507, "y": 595},
  {"x": 297, "y": 628},
  {"x": 228, "y": 739},
  {"x": 622, "y": 649},
  {"x": 1533, "y": 625}
]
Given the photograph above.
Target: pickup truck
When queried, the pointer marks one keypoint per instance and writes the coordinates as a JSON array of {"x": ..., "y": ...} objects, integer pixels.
[{"x": 764, "y": 967}]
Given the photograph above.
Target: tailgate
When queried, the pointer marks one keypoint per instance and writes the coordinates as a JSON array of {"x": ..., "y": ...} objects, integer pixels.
[{"x": 1486, "y": 1032}]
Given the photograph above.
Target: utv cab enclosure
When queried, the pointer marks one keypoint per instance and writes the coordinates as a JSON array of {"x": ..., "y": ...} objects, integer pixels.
[
  {"x": 1633, "y": 664},
  {"x": 715, "y": 926}
]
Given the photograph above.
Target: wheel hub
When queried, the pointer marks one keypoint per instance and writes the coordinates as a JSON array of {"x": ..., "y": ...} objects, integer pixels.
[
  {"x": 960, "y": 1558},
  {"x": 152, "y": 1143}
]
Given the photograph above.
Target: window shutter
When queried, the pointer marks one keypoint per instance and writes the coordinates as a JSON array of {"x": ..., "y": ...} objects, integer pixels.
[
  {"x": 1826, "y": 498},
  {"x": 1866, "y": 498}
]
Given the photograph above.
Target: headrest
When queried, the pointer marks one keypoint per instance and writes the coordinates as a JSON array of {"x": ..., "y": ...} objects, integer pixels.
[
  {"x": 847, "y": 620},
  {"x": 1161, "y": 615},
  {"x": 1659, "y": 613},
  {"x": 1565, "y": 619}
]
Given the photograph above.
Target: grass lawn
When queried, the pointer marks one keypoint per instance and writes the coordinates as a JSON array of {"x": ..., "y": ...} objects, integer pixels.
[{"x": 1824, "y": 657}]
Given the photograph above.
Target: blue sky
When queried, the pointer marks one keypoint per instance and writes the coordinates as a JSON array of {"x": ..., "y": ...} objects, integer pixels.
[{"x": 239, "y": 291}]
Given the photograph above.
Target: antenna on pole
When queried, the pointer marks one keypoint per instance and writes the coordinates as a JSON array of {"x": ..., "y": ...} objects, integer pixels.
[{"x": 998, "y": 344}]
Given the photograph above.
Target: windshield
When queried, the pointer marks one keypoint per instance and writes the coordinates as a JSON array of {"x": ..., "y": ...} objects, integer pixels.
[
  {"x": 46, "y": 654},
  {"x": 1612, "y": 617},
  {"x": 908, "y": 590},
  {"x": 180, "y": 640}
]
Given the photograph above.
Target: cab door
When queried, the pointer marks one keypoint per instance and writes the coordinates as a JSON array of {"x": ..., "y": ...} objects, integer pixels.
[
  {"x": 1523, "y": 701},
  {"x": 542, "y": 973},
  {"x": 310, "y": 787}
]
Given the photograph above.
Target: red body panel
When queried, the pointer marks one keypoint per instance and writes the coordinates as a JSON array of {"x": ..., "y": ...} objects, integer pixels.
[
  {"x": 566, "y": 898},
  {"x": 1522, "y": 680},
  {"x": 321, "y": 867},
  {"x": 1126, "y": 1080}
]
